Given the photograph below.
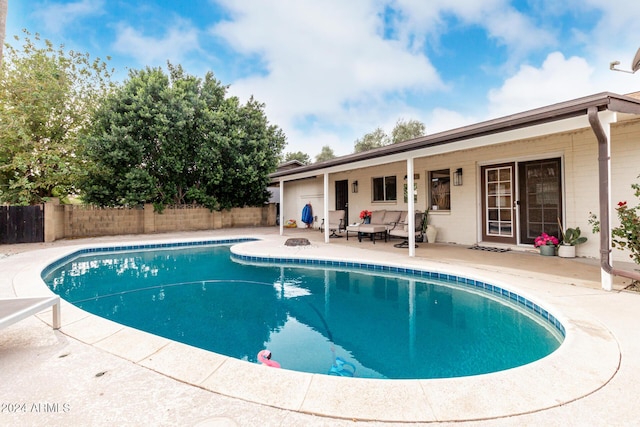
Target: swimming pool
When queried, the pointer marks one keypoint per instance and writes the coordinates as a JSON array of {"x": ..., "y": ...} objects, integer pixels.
[{"x": 420, "y": 325}]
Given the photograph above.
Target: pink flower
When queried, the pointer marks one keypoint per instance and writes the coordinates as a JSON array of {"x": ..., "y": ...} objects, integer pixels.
[{"x": 545, "y": 240}]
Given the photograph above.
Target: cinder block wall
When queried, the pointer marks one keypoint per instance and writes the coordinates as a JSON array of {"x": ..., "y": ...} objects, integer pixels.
[
  {"x": 183, "y": 219},
  {"x": 73, "y": 221},
  {"x": 86, "y": 221}
]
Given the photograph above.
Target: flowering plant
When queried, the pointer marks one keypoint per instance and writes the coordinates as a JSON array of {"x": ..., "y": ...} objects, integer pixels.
[
  {"x": 545, "y": 240},
  {"x": 365, "y": 214},
  {"x": 627, "y": 235}
]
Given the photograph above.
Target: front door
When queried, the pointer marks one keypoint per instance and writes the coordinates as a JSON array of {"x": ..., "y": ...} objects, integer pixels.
[
  {"x": 498, "y": 207},
  {"x": 342, "y": 198},
  {"x": 540, "y": 189}
]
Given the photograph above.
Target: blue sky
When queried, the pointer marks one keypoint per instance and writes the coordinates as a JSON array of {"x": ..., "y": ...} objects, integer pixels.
[{"x": 330, "y": 71}]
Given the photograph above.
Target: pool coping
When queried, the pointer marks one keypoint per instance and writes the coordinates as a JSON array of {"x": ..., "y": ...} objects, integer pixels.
[{"x": 588, "y": 358}]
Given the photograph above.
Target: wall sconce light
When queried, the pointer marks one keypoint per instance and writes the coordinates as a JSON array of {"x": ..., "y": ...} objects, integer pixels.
[
  {"x": 354, "y": 187},
  {"x": 457, "y": 177}
]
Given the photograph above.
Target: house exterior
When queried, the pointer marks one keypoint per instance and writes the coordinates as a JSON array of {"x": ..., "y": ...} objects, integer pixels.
[{"x": 497, "y": 183}]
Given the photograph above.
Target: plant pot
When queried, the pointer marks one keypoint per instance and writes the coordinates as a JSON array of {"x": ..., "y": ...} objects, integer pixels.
[
  {"x": 431, "y": 233},
  {"x": 567, "y": 251},
  {"x": 547, "y": 250}
]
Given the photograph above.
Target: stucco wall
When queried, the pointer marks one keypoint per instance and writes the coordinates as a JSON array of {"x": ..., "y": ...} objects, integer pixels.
[{"x": 298, "y": 194}]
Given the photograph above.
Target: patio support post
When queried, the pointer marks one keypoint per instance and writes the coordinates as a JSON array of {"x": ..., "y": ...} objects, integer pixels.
[
  {"x": 604, "y": 175},
  {"x": 326, "y": 208},
  {"x": 411, "y": 208},
  {"x": 280, "y": 206}
]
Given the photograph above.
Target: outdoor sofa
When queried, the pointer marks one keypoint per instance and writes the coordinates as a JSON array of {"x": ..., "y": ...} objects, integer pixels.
[
  {"x": 401, "y": 230},
  {"x": 380, "y": 223}
]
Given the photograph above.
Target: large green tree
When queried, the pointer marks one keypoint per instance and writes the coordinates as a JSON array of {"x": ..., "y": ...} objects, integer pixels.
[
  {"x": 4, "y": 9},
  {"x": 402, "y": 131},
  {"x": 376, "y": 139},
  {"x": 406, "y": 130},
  {"x": 299, "y": 156},
  {"x": 325, "y": 154},
  {"x": 178, "y": 139},
  {"x": 47, "y": 97}
]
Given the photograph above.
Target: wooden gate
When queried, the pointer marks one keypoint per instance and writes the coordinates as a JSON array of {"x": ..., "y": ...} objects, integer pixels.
[{"x": 21, "y": 224}]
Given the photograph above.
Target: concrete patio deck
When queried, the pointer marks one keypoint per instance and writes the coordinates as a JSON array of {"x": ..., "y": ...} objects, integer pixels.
[{"x": 95, "y": 372}]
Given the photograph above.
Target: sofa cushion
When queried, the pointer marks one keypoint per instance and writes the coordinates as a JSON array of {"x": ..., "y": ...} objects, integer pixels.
[
  {"x": 391, "y": 217},
  {"x": 377, "y": 217}
]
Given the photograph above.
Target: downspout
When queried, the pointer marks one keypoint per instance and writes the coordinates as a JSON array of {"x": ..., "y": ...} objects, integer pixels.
[{"x": 603, "y": 175}]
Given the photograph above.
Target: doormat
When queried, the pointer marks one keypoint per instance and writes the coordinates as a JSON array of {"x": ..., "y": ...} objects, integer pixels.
[{"x": 489, "y": 249}]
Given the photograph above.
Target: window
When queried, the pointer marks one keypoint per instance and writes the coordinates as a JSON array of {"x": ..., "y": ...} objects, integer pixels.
[
  {"x": 384, "y": 189},
  {"x": 440, "y": 194}
]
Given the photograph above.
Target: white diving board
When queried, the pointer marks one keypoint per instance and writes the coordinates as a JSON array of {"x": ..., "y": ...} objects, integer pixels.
[{"x": 13, "y": 310}]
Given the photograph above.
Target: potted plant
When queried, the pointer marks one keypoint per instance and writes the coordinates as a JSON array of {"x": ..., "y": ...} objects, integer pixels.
[
  {"x": 365, "y": 216},
  {"x": 547, "y": 244},
  {"x": 570, "y": 239}
]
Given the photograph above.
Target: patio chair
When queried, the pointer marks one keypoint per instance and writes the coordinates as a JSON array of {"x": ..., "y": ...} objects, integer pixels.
[
  {"x": 401, "y": 230},
  {"x": 336, "y": 223}
]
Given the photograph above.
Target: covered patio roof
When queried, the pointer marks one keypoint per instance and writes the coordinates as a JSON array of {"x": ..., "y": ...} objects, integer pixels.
[{"x": 595, "y": 111}]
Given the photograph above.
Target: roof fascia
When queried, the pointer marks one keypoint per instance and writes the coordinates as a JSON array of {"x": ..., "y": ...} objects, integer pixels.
[{"x": 620, "y": 105}]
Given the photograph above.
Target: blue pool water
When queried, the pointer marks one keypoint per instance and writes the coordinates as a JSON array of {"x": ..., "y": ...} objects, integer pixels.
[{"x": 382, "y": 325}]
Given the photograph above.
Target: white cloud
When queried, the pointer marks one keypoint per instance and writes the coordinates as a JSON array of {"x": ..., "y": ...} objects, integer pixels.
[
  {"x": 558, "y": 79},
  {"x": 56, "y": 17},
  {"x": 175, "y": 45},
  {"x": 612, "y": 37},
  {"x": 322, "y": 59},
  {"x": 330, "y": 62},
  {"x": 516, "y": 31},
  {"x": 499, "y": 19},
  {"x": 441, "y": 119},
  {"x": 619, "y": 19}
]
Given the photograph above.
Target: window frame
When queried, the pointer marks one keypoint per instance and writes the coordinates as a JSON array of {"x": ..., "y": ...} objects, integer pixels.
[
  {"x": 440, "y": 189},
  {"x": 386, "y": 186}
]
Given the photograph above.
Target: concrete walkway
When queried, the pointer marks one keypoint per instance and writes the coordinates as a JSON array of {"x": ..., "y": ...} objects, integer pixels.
[{"x": 94, "y": 372}]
